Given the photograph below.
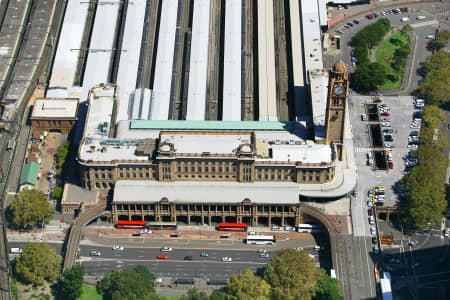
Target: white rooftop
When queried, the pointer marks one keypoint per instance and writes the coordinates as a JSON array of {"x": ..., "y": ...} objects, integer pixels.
[
  {"x": 311, "y": 35},
  {"x": 218, "y": 192},
  {"x": 55, "y": 108},
  {"x": 129, "y": 57},
  {"x": 306, "y": 153},
  {"x": 319, "y": 94},
  {"x": 66, "y": 57},
  {"x": 212, "y": 143}
]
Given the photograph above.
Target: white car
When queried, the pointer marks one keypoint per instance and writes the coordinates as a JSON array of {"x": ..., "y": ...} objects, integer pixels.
[
  {"x": 95, "y": 253},
  {"x": 372, "y": 230},
  {"x": 166, "y": 249},
  {"x": 261, "y": 251},
  {"x": 386, "y": 124},
  {"x": 299, "y": 248},
  {"x": 226, "y": 259},
  {"x": 145, "y": 231},
  {"x": 317, "y": 248},
  {"x": 371, "y": 220},
  {"x": 117, "y": 248},
  {"x": 388, "y": 145},
  {"x": 413, "y": 146},
  {"x": 369, "y": 203}
]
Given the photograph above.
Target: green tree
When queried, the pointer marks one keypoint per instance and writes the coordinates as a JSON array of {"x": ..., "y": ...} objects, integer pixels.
[
  {"x": 436, "y": 87},
  {"x": 127, "y": 284},
  {"x": 72, "y": 285},
  {"x": 368, "y": 77},
  {"x": 221, "y": 295},
  {"x": 433, "y": 116},
  {"x": 442, "y": 38},
  {"x": 57, "y": 193},
  {"x": 62, "y": 153},
  {"x": 248, "y": 286},
  {"x": 38, "y": 263},
  {"x": 327, "y": 288},
  {"x": 30, "y": 207},
  {"x": 440, "y": 59},
  {"x": 195, "y": 294},
  {"x": 291, "y": 275}
]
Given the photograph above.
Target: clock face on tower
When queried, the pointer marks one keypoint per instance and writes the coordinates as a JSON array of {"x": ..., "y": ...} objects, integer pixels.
[{"x": 338, "y": 89}]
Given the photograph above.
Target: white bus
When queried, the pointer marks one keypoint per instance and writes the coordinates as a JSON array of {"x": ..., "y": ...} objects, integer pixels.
[
  {"x": 260, "y": 240},
  {"x": 312, "y": 228}
]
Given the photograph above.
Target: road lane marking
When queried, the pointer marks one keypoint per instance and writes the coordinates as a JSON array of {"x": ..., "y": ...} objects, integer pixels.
[{"x": 184, "y": 261}]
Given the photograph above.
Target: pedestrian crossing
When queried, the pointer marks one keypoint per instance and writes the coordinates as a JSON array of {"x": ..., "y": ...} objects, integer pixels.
[{"x": 362, "y": 149}]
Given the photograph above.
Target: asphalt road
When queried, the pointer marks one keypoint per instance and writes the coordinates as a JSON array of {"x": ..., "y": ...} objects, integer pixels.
[{"x": 175, "y": 266}]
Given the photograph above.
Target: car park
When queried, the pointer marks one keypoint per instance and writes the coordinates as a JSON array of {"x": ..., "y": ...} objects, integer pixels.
[
  {"x": 162, "y": 256},
  {"x": 166, "y": 249},
  {"x": 226, "y": 259},
  {"x": 117, "y": 248}
]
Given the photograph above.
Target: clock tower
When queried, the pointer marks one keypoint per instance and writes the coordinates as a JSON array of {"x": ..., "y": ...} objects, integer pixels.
[{"x": 336, "y": 103}]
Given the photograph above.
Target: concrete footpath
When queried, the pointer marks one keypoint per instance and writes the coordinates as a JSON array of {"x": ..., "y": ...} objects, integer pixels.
[{"x": 192, "y": 239}]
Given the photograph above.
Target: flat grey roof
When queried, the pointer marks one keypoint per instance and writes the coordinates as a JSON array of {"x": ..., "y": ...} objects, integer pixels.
[{"x": 131, "y": 191}]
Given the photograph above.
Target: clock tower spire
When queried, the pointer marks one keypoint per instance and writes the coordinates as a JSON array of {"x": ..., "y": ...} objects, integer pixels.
[{"x": 336, "y": 103}]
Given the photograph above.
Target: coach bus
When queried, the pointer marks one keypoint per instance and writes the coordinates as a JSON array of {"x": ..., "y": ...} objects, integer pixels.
[
  {"x": 260, "y": 240},
  {"x": 232, "y": 227},
  {"x": 311, "y": 228},
  {"x": 130, "y": 224}
]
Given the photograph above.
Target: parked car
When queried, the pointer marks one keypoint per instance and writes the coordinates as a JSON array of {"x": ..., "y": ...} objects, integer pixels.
[
  {"x": 145, "y": 231},
  {"x": 166, "y": 249},
  {"x": 95, "y": 253},
  {"x": 377, "y": 101},
  {"x": 369, "y": 203},
  {"x": 391, "y": 164},
  {"x": 225, "y": 235},
  {"x": 385, "y": 114},
  {"x": 356, "y": 22},
  {"x": 370, "y": 211},
  {"x": 386, "y": 124},
  {"x": 117, "y": 248},
  {"x": 372, "y": 230},
  {"x": 226, "y": 259},
  {"x": 374, "y": 240},
  {"x": 263, "y": 255},
  {"x": 162, "y": 256}
]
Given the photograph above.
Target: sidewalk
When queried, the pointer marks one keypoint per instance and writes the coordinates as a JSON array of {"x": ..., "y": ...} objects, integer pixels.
[{"x": 196, "y": 239}]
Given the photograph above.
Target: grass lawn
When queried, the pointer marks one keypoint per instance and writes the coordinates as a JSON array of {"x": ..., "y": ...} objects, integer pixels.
[
  {"x": 90, "y": 293},
  {"x": 387, "y": 49}
]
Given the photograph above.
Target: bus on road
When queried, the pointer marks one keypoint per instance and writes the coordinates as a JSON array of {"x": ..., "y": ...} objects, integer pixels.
[
  {"x": 121, "y": 224},
  {"x": 311, "y": 228},
  {"x": 260, "y": 240},
  {"x": 232, "y": 227}
]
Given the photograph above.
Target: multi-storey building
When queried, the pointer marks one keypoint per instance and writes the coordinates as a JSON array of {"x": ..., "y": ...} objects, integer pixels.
[{"x": 207, "y": 171}]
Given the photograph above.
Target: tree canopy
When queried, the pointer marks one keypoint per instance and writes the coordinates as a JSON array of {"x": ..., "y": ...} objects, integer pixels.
[
  {"x": 28, "y": 208},
  {"x": 291, "y": 275},
  {"x": 71, "y": 287},
  {"x": 436, "y": 87},
  {"x": 426, "y": 193},
  {"x": 327, "y": 288},
  {"x": 195, "y": 294},
  {"x": 38, "y": 263},
  {"x": 128, "y": 284},
  {"x": 442, "y": 38},
  {"x": 368, "y": 77},
  {"x": 248, "y": 286}
]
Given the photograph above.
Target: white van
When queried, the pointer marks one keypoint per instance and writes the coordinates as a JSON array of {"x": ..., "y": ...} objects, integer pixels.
[
  {"x": 421, "y": 17},
  {"x": 431, "y": 37},
  {"x": 16, "y": 250},
  {"x": 406, "y": 19}
]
